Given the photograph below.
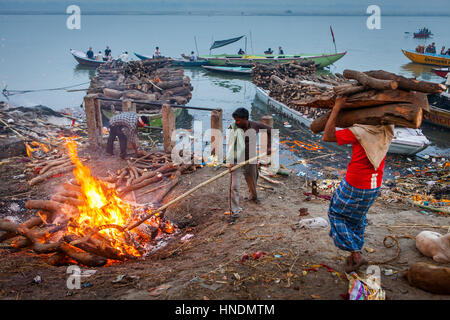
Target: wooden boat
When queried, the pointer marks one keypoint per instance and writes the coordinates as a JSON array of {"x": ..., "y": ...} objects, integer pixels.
[
  {"x": 406, "y": 141},
  {"x": 422, "y": 34},
  {"x": 237, "y": 70},
  {"x": 427, "y": 58},
  {"x": 321, "y": 60},
  {"x": 188, "y": 63},
  {"x": 142, "y": 57},
  {"x": 439, "y": 110},
  {"x": 84, "y": 60},
  {"x": 441, "y": 72}
]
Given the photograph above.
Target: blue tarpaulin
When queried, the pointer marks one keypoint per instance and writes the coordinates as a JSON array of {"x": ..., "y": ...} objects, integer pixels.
[{"x": 221, "y": 43}]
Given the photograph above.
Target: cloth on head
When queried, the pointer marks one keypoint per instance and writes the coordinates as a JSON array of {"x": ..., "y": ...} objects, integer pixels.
[
  {"x": 347, "y": 215},
  {"x": 375, "y": 140}
]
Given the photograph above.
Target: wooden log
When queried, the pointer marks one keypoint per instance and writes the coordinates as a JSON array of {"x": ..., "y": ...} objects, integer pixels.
[
  {"x": 46, "y": 205},
  {"x": 112, "y": 93},
  {"x": 177, "y": 91},
  {"x": 373, "y": 98},
  {"x": 408, "y": 83},
  {"x": 165, "y": 189},
  {"x": 128, "y": 106},
  {"x": 217, "y": 124},
  {"x": 278, "y": 80},
  {"x": 170, "y": 84},
  {"x": 50, "y": 173},
  {"x": 349, "y": 89},
  {"x": 99, "y": 248},
  {"x": 85, "y": 258},
  {"x": 68, "y": 200},
  {"x": 52, "y": 164},
  {"x": 93, "y": 120},
  {"x": 168, "y": 124},
  {"x": 371, "y": 82},
  {"x": 406, "y": 115},
  {"x": 71, "y": 187}
]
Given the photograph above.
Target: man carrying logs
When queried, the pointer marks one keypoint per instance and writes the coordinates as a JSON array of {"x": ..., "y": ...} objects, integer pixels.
[
  {"x": 361, "y": 185},
  {"x": 125, "y": 126},
  {"x": 239, "y": 145}
]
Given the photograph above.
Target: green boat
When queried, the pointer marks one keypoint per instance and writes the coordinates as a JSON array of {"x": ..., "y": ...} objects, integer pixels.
[
  {"x": 246, "y": 60},
  {"x": 321, "y": 60}
]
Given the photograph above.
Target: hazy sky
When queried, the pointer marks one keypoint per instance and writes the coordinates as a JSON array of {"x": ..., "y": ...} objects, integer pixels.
[{"x": 391, "y": 7}]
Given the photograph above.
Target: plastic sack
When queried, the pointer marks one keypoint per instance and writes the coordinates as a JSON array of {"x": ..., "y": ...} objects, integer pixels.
[
  {"x": 313, "y": 223},
  {"x": 364, "y": 289}
]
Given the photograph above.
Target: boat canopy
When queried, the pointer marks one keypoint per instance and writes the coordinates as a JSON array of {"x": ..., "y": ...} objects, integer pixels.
[{"x": 221, "y": 43}]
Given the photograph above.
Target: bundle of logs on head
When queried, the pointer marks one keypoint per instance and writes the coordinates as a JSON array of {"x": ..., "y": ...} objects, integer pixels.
[
  {"x": 290, "y": 83},
  {"x": 48, "y": 232},
  {"x": 376, "y": 97},
  {"x": 148, "y": 81}
]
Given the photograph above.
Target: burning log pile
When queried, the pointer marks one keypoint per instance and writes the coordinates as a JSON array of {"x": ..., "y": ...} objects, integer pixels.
[
  {"x": 87, "y": 221},
  {"x": 150, "y": 81},
  {"x": 377, "y": 97}
]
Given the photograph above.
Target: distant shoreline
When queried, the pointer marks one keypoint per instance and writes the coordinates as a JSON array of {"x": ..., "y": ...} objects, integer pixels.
[{"x": 207, "y": 13}]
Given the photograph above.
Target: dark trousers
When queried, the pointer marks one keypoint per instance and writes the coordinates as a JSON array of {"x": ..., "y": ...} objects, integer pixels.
[{"x": 116, "y": 131}]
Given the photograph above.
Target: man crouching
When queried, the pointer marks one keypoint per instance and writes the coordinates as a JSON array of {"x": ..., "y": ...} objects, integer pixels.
[{"x": 124, "y": 126}]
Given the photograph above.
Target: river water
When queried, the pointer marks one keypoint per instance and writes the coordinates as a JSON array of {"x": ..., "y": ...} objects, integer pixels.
[{"x": 34, "y": 54}]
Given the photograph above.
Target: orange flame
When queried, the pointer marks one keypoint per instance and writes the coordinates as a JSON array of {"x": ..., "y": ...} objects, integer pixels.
[{"x": 102, "y": 206}]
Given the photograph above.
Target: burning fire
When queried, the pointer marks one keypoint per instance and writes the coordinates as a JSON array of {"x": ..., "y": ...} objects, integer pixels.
[
  {"x": 38, "y": 146},
  {"x": 101, "y": 207}
]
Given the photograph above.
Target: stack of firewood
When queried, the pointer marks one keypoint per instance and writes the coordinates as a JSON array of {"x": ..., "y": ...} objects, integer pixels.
[
  {"x": 261, "y": 73},
  {"x": 376, "y": 97},
  {"x": 148, "y": 81}
]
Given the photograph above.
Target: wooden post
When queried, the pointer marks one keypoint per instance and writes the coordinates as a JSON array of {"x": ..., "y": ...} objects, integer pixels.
[
  {"x": 128, "y": 106},
  {"x": 217, "y": 123},
  {"x": 93, "y": 120},
  {"x": 267, "y": 120},
  {"x": 168, "y": 123}
]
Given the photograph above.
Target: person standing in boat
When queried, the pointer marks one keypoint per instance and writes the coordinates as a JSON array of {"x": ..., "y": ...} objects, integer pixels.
[
  {"x": 241, "y": 51},
  {"x": 124, "y": 56},
  {"x": 280, "y": 50},
  {"x": 358, "y": 190},
  {"x": 90, "y": 53},
  {"x": 157, "y": 53},
  {"x": 443, "y": 50},
  {"x": 107, "y": 53},
  {"x": 193, "y": 56},
  {"x": 268, "y": 51}
]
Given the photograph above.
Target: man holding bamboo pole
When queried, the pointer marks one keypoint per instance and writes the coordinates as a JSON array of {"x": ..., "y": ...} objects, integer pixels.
[
  {"x": 242, "y": 142},
  {"x": 361, "y": 185}
]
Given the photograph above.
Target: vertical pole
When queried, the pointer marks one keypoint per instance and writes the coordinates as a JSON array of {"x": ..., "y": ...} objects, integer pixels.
[
  {"x": 168, "y": 123},
  {"x": 267, "y": 120},
  {"x": 128, "y": 106},
  {"x": 98, "y": 121},
  {"x": 217, "y": 123},
  {"x": 91, "y": 110}
]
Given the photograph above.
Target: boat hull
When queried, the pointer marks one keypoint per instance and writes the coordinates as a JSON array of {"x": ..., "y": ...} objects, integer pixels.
[
  {"x": 441, "y": 72},
  {"x": 78, "y": 55},
  {"x": 430, "y": 58},
  {"x": 321, "y": 61},
  {"x": 235, "y": 70},
  {"x": 439, "y": 113},
  {"x": 422, "y": 35},
  {"x": 190, "y": 63},
  {"x": 398, "y": 145}
]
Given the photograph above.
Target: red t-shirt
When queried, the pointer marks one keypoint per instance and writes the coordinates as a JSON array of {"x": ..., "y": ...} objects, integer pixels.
[{"x": 360, "y": 172}]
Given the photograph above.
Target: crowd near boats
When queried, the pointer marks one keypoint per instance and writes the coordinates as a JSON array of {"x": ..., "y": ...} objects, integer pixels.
[{"x": 406, "y": 141}]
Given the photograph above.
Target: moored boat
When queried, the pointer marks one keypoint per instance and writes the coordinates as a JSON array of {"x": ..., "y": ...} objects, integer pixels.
[
  {"x": 427, "y": 58},
  {"x": 237, "y": 70},
  {"x": 406, "y": 141},
  {"x": 188, "y": 63},
  {"x": 423, "y": 33},
  {"x": 82, "y": 59},
  {"x": 439, "y": 113},
  {"x": 441, "y": 72},
  {"x": 321, "y": 60}
]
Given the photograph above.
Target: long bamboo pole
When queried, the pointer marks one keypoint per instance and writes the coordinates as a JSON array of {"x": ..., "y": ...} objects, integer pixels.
[{"x": 187, "y": 193}]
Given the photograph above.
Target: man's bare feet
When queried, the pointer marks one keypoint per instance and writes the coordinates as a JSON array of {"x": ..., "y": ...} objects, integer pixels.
[{"x": 354, "y": 261}]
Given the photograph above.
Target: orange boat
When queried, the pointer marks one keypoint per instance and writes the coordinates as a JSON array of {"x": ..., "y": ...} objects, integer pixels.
[{"x": 427, "y": 58}]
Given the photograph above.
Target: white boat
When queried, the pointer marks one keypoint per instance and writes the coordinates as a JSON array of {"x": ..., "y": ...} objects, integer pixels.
[{"x": 406, "y": 141}]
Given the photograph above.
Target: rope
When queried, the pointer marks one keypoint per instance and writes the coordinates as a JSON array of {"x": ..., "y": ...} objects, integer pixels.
[
  {"x": 7, "y": 93},
  {"x": 397, "y": 254}
]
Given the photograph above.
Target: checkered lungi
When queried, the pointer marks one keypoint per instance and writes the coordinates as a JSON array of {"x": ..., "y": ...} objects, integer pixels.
[{"x": 347, "y": 215}]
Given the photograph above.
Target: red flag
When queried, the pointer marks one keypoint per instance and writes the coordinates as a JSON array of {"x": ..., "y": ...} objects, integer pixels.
[{"x": 332, "y": 34}]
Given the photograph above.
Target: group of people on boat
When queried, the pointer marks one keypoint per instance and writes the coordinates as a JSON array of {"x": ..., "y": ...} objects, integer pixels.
[
  {"x": 270, "y": 51},
  {"x": 99, "y": 56},
  {"x": 431, "y": 48}
]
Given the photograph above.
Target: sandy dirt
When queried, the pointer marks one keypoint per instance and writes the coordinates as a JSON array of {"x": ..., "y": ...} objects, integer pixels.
[{"x": 208, "y": 265}]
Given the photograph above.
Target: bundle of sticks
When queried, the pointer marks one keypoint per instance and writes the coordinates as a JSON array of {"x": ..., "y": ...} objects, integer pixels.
[
  {"x": 145, "y": 81},
  {"x": 49, "y": 167},
  {"x": 49, "y": 232},
  {"x": 153, "y": 174},
  {"x": 376, "y": 97}
]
